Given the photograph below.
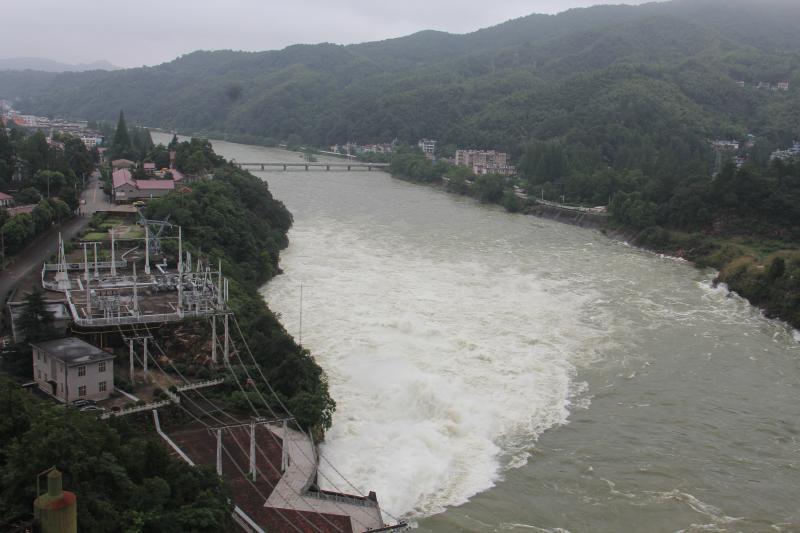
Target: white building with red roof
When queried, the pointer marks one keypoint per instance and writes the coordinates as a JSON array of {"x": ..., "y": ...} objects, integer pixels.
[
  {"x": 127, "y": 189},
  {"x": 6, "y": 200}
]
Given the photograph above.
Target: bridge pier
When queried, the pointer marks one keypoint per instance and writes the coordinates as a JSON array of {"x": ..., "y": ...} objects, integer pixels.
[
  {"x": 284, "y": 167},
  {"x": 262, "y": 167},
  {"x": 328, "y": 167},
  {"x": 348, "y": 167}
]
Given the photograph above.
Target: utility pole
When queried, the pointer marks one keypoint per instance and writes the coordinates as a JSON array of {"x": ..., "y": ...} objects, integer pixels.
[
  {"x": 144, "y": 354},
  {"x": 301, "y": 315},
  {"x": 96, "y": 271},
  {"x": 226, "y": 354},
  {"x": 214, "y": 339},
  {"x": 219, "y": 452},
  {"x": 130, "y": 346},
  {"x": 113, "y": 255},
  {"x": 147, "y": 248},
  {"x": 253, "y": 450}
]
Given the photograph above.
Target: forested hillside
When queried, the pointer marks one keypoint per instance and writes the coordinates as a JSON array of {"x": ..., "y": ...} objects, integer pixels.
[{"x": 595, "y": 77}]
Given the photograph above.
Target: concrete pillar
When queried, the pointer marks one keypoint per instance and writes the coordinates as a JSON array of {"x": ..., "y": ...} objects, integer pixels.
[
  {"x": 147, "y": 249},
  {"x": 219, "y": 452},
  {"x": 96, "y": 270},
  {"x": 253, "y": 450},
  {"x": 214, "y": 339},
  {"x": 135, "y": 293},
  {"x": 85, "y": 263},
  {"x": 113, "y": 255},
  {"x": 144, "y": 353},
  {"x": 284, "y": 447},
  {"x": 180, "y": 249},
  {"x": 130, "y": 346},
  {"x": 226, "y": 354}
]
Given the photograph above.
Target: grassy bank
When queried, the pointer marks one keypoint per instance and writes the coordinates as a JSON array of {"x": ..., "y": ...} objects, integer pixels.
[{"x": 764, "y": 271}]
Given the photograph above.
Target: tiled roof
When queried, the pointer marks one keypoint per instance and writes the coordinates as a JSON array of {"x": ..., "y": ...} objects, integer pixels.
[
  {"x": 155, "y": 184},
  {"x": 121, "y": 177},
  {"x": 73, "y": 351}
]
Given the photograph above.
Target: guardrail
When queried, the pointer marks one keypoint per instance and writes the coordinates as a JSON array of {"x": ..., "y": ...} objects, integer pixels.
[
  {"x": 340, "y": 498},
  {"x": 141, "y": 319},
  {"x": 135, "y": 409},
  {"x": 54, "y": 267},
  {"x": 201, "y": 385},
  {"x": 601, "y": 211}
]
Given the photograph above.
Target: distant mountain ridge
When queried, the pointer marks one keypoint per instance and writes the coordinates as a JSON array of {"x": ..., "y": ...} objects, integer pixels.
[
  {"x": 610, "y": 80},
  {"x": 48, "y": 65}
]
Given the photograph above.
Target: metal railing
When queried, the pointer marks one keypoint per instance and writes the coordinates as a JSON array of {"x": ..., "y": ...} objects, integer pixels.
[
  {"x": 54, "y": 267},
  {"x": 136, "y": 409},
  {"x": 141, "y": 319},
  {"x": 201, "y": 385},
  {"x": 340, "y": 498}
]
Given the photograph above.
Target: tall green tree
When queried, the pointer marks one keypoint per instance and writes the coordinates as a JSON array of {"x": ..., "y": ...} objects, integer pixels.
[
  {"x": 122, "y": 138},
  {"x": 35, "y": 321}
]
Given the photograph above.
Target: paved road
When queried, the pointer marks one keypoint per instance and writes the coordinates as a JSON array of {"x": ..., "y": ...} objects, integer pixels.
[{"x": 46, "y": 244}]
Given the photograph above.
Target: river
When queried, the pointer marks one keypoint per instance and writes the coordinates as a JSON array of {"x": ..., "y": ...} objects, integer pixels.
[{"x": 498, "y": 372}]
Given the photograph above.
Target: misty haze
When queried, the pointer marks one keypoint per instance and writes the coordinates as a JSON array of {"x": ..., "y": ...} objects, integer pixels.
[{"x": 528, "y": 265}]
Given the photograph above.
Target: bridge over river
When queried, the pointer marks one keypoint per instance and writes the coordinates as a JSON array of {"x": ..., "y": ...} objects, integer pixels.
[{"x": 313, "y": 166}]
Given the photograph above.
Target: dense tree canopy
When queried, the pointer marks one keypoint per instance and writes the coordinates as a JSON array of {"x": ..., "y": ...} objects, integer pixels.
[
  {"x": 124, "y": 481},
  {"x": 234, "y": 217}
]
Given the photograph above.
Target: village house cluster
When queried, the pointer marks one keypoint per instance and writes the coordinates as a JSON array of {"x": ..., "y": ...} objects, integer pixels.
[
  {"x": 790, "y": 154},
  {"x": 356, "y": 149},
  {"x": 765, "y": 85},
  {"x": 90, "y": 138},
  {"x": 159, "y": 182}
]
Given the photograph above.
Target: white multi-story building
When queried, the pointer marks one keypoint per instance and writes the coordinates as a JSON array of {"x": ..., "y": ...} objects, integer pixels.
[
  {"x": 485, "y": 161},
  {"x": 71, "y": 369},
  {"x": 428, "y": 147}
]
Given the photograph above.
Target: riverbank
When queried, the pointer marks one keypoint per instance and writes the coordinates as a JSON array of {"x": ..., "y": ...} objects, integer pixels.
[
  {"x": 234, "y": 218},
  {"x": 764, "y": 272},
  {"x": 516, "y": 323}
]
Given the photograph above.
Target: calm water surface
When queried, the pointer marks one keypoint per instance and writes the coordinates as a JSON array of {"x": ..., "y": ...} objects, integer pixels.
[{"x": 497, "y": 373}]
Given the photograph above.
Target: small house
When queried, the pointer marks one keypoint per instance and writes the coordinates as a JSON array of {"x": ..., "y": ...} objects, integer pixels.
[
  {"x": 6, "y": 200},
  {"x": 122, "y": 163},
  {"x": 71, "y": 369}
]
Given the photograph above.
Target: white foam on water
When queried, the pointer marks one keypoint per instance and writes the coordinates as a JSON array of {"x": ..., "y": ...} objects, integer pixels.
[{"x": 445, "y": 371}]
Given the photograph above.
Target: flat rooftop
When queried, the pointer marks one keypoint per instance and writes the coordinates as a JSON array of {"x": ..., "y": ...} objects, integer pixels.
[{"x": 73, "y": 351}]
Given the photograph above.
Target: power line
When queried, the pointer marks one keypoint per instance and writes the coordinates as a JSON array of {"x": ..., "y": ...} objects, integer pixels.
[
  {"x": 272, "y": 411},
  {"x": 236, "y": 440},
  {"x": 283, "y": 406}
]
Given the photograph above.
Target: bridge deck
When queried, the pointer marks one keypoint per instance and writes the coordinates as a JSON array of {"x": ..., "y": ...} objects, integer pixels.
[{"x": 309, "y": 166}]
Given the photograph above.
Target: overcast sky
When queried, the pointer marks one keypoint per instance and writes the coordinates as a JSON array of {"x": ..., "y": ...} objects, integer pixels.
[{"x": 132, "y": 33}]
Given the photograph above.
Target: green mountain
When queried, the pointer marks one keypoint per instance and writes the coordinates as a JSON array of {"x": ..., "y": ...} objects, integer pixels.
[{"x": 612, "y": 81}]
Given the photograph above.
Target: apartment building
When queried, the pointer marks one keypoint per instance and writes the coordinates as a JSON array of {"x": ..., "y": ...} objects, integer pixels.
[{"x": 485, "y": 161}]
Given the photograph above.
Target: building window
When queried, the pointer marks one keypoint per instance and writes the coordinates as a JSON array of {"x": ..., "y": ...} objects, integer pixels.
[
  {"x": 81, "y": 371},
  {"x": 101, "y": 367},
  {"x": 39, "y": 375},
  {"x": 82, "y": 390},
  {"x": 38, "y": 355},
  {"x": 102, "y": 386}
]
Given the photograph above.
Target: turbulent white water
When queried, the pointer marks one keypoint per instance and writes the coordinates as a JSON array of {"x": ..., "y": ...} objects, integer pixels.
[
  {"x": 443, "y": 371},
  {"x": 455, "y": 335}
]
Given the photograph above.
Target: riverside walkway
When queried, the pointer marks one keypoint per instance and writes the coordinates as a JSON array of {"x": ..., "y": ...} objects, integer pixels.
[{"x": 291, "y": 492}]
